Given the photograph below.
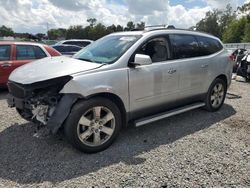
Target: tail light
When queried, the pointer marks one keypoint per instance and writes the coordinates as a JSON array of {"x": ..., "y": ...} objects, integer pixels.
[{"x": 232, "y": 57}]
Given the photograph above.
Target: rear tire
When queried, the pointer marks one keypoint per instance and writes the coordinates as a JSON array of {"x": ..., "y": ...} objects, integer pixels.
[
  {"x": 216, "y": 95},
  {"x": 93, "y": 124}
]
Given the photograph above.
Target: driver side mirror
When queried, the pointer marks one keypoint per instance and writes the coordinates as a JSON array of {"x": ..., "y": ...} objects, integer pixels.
[{"x": 141, "y": 59}]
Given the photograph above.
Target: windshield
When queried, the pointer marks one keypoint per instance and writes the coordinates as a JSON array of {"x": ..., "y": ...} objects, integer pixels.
[{"x": 107, "y": 49}]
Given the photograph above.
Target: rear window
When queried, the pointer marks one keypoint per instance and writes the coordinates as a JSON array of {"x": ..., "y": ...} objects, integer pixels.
[
  {"x": 67, "y": 48},
  {"x": 184, "y": 46},
  {"x": 59, "y": 48},
  {"x": 208, "y": 46},
  {"x": 5, "y": 52},
  {"x": 26, "y": 52},
  {"x": 75, "y": 48},
  {"x": 78, "y": 43}
]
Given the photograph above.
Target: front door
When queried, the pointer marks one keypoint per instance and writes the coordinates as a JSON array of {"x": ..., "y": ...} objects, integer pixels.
[
  {"x": 154, "y": 84},
  {"x": 5, "y": 63}
]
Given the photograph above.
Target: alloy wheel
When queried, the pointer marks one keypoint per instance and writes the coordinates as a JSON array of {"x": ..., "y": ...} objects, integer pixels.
[
  {"x": 96, "y": 126},
  {"x": 217, "y": 95}
]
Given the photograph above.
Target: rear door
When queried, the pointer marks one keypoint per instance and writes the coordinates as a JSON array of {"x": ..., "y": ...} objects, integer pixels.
[
  {"x": 211, "y": 59},
  {"x": 192, "y": 68},
  {"x": 6, "y": 57}
]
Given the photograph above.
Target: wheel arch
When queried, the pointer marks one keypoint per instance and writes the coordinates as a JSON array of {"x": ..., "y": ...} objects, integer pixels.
[
  {"x": 115, "y": 99},
  {"x": 224, "y": 78}
]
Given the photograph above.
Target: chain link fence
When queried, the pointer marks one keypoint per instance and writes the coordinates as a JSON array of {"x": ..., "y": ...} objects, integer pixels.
[{"x": 237, "y": 46}]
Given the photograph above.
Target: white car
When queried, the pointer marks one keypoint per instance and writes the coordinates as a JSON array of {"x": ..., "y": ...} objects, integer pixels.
[{"x": 77, "y": 42}]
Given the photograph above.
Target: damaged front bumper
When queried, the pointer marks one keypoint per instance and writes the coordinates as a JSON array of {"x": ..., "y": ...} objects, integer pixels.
[
  {"x": 15, "y": 102},
  {"x": 59, "y": 115},
  {"x": 43, "y": 105}
]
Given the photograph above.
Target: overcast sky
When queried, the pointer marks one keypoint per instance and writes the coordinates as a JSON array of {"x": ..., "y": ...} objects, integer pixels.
[{"x": 33, "y": 15}]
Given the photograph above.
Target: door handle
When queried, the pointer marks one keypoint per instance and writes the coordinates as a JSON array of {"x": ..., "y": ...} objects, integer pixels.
[
  {"x": 6, "y": 65},
  {"x": 171, "y": 71},
  {"x": 204, "y": 66}
]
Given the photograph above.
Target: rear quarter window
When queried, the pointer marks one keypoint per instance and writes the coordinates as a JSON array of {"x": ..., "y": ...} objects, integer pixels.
[{"x": 208, "y": 46}]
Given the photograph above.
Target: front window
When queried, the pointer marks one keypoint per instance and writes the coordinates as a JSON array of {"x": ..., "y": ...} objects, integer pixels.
[
  {"x": 157, "y": 48},
  {"x": 107, "y": 49},
  {"x": 5, "y": 52}
]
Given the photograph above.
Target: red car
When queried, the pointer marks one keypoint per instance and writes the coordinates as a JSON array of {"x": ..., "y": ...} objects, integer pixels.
[{"x": 16, "y": 54}]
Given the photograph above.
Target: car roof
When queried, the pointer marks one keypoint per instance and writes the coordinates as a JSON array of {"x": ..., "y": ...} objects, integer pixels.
[
  {"x": 165, "y": 31},
  {"x": 75, "y": 40},
  {"x": 21, "y": 43},
  {"x": 65, "y": 45}
]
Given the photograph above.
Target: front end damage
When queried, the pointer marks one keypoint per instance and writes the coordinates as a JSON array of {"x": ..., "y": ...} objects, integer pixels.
[{"x": 42, "y": 102}]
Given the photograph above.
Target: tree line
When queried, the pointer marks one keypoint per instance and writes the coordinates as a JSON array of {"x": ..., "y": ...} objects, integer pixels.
[
  {"x": 93, "y": 31},
  {"x": 229, "y": 25}
]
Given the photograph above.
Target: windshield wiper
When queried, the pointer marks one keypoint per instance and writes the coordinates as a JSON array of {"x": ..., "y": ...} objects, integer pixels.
[
  {"x": 103, "y": 63},
  {"x": 89, "y": 60},
  {"x": 84, "y": 59}
]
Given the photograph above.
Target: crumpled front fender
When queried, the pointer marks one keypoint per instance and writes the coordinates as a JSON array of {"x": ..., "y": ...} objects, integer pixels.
[{"x": 62, "y": 111}]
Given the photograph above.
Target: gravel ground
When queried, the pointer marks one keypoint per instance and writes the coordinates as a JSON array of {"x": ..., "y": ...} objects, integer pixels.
[{"x": 194, "y": 149}]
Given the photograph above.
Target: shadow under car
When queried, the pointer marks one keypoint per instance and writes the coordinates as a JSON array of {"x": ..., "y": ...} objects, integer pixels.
[{"x": 28, "y": 159}]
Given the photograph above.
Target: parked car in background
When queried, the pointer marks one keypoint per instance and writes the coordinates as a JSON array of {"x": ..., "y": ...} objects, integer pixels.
[
  {"x": 138, "y": 76},
  {"x": 236, "y": 56},
  {"x": 68, "y": 50},
  {"x": 16, "y": 54},
  {"x": 243, "y": 69},
  {"x": 77, "y": 42}
]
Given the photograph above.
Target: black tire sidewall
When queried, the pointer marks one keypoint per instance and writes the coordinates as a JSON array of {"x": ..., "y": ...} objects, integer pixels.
[
  {"x": 71, "y": 123},
  {"x": 209, "y": 106}
]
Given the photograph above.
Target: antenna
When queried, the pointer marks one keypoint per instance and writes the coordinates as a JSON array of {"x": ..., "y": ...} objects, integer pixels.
[{"x": 47, "y": 29}]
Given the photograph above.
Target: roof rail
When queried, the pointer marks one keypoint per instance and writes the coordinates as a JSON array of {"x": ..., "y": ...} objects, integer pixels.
[
  {"x": 149, "y": 26},
  {"x": 158, "y": 27},
  {"x": 169, "y": 27},
  {"x": 137, "y": 29},
  {"x": 166, "y": 27}
]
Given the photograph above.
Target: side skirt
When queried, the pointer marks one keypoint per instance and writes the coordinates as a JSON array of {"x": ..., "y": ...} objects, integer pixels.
[{"x": 157, "y": 117}]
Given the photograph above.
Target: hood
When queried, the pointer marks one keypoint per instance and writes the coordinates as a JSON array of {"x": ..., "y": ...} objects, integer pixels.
[{"x": 49, "y": 68}]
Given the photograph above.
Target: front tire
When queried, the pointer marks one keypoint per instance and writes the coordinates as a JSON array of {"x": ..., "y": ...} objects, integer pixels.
[
  {"x": 216, "y": 95},
  {"x": 93, "y": 124}
]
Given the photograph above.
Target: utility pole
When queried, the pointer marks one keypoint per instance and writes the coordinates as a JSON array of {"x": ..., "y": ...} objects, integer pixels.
[{"x": 48, "y": 30}]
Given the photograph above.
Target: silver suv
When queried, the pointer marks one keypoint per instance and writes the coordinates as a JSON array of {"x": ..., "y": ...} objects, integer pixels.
[{"x": 138, "y": 76}]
